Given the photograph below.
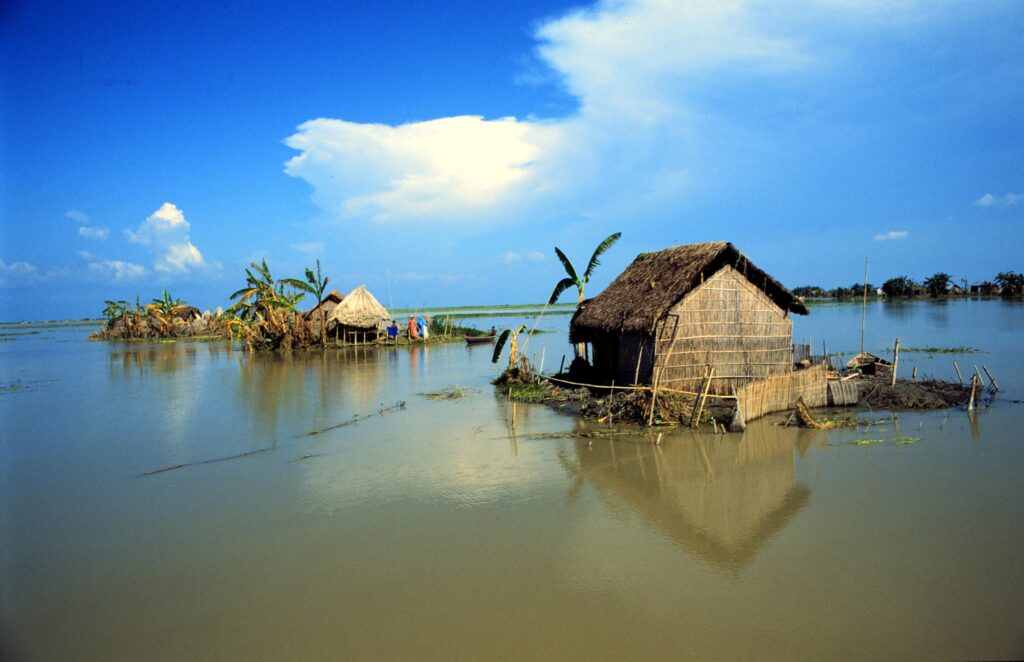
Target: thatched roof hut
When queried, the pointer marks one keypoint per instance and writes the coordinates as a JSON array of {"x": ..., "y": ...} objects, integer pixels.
[
  {"x": 329, "y": 303},
  {"x": 686, "y": 309},
  {"x": 359, "y": 310}
]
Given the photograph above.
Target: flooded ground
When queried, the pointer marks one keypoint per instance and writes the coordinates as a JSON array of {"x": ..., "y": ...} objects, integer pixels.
[{"x": 437, "y": 530}]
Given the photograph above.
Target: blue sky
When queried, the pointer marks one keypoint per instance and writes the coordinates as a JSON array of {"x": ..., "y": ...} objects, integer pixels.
[{"x": 437, "y": 152}]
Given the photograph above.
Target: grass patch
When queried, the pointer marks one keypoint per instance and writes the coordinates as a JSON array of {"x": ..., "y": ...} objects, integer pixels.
[
  {"x": 527, "y": 392},
  {"x": 448, "y": 393},
  {"x": 941, "y": 350}
]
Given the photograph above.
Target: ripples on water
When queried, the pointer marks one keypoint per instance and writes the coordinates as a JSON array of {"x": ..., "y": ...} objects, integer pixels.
[{"x": 438, "y": 530}]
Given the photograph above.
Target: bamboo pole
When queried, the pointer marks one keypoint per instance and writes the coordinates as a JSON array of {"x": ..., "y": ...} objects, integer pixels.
[
  {"x": 654, "y": 397},
  {"x": 913, "y": 376},
  {"x": 543, "y": 352},
  {"x": 970, "y": 403},
  {"x": 561, "y": 366},
  {"x": 695, "y": 420},
  {"x": 611, "y": 401},
  {"x": 864, "y": 308},
  {"x": 958, "y": 375},
  {"x": 981, "y": 382},
  {"x": 991, "y": 379},
  {"x": 639, "y": 358},
  {"x": 895, "y": 361}
]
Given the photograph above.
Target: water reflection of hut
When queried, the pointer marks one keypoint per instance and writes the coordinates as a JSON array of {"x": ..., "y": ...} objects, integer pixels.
[
  {"x": 359, "y": 316},
  {"x": 720, "y": 499},
  {"x": 684, "y": 309}
]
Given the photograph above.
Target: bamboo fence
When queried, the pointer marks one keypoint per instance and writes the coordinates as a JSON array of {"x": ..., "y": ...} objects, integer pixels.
[{"x": 780, "y": 392}]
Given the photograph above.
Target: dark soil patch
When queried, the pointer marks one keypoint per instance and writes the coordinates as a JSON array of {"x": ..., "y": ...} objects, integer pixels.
[{"x": 877, "y": 392}]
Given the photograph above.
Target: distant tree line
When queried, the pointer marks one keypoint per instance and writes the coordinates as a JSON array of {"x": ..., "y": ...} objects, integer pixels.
[{"x": 940, "y": 284}]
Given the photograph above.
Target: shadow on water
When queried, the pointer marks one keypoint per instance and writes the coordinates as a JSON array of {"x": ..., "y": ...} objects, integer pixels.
[{"x": 721, "y": 499}]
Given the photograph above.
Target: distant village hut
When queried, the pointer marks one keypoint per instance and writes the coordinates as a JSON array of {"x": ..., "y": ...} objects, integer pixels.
[
  {"x": 359, "y": 317},
  {"x": 312, "y": 316},
  {"x": 676, "y": 313},
  {"x": 328, "y": 305}
]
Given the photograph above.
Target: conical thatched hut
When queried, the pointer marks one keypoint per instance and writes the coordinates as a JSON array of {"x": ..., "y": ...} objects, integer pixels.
[
  {"x": 679, "y": 311},
  {"x": 359, "y": 316}
]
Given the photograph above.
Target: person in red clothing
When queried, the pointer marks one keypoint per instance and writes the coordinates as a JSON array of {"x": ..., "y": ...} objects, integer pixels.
[{"x": 413, "y": 333}]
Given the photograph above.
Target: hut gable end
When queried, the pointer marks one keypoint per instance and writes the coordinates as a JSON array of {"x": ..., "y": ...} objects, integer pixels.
[{"x": 642, "y": 295}]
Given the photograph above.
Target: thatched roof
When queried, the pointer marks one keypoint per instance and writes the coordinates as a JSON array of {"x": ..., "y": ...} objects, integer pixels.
[
  {"x": 333, "y": 298},
  {"x": 359, "y": 309},
  {"x": 654, "y": 282}
]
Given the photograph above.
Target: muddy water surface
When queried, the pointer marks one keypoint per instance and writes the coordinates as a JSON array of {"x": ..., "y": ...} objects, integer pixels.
[{"x": 436, "y": 529}]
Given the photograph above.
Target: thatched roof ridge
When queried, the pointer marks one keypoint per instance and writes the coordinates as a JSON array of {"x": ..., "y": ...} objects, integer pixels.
[
  {"x": 359, "y": 309},
  {"x": 654, "y": 282},
  {"x": 333, "y": 298}
]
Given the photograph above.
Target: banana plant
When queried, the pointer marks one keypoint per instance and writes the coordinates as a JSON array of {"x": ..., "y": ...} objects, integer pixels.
[
  {"x": 316, "y": 285},
  {"x": 513, "y": 353},
  {"x": 573, "y": 279}
]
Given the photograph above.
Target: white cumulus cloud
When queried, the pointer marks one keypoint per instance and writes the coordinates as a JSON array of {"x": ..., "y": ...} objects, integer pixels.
[
  {"x": 892, "y": 235},
  {"x": 166, "y": 233},
  {"x": 989, "y": 200},
  {"x": 455, "y": 166}
]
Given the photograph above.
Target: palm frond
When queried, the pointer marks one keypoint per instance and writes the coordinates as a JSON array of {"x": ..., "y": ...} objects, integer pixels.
[
  {"x": 560, "y": 287},
  {"x": 500, "y": 344},
  {"x": 608, "y": 242},
  {"x": 569, "y": 269},
  {"x": 297, "y": 284}
]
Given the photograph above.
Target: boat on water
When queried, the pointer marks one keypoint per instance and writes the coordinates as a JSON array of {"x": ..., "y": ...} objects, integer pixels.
[{"x": 480, "y": 340}]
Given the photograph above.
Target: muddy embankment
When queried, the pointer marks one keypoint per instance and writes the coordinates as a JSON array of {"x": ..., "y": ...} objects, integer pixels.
[{"x": 634, "y": 405}]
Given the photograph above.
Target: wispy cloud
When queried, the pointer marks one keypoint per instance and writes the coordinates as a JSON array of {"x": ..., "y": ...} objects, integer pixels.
[
  {"x": 17, "y": 272},
  {"x": 93, "y": 233},
  {"x": 313, "y": 249},
  {"x": 989, "y": 200},
  {"x": 108, "y": 270},
  {"x": 414, "y": 276},
  {"x": 166, "y": 233},
  {"x": 77, "y": 216},
  {"x": 511, "y": 257},
  {"x": 892, "y": 235}
]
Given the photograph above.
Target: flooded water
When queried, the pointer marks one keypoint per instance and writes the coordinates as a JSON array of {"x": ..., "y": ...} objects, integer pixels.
[{"x": 436, "y": 529}]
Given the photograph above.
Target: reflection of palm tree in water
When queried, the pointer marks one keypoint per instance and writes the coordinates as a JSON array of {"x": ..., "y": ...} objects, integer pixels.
[{"x": 719, "y": 498}]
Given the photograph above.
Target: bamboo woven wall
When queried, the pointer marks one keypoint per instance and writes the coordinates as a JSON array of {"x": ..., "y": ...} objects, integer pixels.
[
  {"x": 780, "y": 393},
  {"x": 726, "y": 323}
]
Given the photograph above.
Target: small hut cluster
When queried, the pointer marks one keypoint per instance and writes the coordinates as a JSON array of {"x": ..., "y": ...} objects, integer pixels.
[
  {"x": 353, "y": 318},
  {"x": 674, "y": 315}
]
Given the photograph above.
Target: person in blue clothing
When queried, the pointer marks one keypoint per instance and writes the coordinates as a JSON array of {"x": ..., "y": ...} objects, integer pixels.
[{"x": 393, "y": 332}]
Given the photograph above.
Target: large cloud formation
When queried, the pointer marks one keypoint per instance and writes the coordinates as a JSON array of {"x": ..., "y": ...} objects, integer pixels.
[
  {"x": 646, "y": 75},
  {"x": 166, "y": 233}
]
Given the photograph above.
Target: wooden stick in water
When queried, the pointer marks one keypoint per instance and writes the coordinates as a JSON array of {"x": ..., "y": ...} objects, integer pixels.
[
  {"x": 914, "y": 375},
  {"x": 654, "y": 398},
  {"x": 958, "y": 375},
  {"x": 895, "y": 361},
  {"x": 991, "y": 379},
  {"x": 981, "y": 382},
  {"x": 636, "y": 376}
]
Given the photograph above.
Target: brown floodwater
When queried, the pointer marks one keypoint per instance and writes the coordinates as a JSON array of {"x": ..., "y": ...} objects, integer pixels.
[{"x": 314, "y": 515}]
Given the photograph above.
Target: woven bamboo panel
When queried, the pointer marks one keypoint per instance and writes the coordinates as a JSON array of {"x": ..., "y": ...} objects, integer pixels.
[
  {"x": 780, "y": 392},
  {"x": 726, "y": 323}
]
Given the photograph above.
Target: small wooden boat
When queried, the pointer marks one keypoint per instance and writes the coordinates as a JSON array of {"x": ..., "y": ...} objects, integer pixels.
[
  {"x": 480, "y": 340},
  {"x": 869, "y": 364}
]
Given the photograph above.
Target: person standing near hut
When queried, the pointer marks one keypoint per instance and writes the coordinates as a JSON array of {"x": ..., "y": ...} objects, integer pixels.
[
  {"x": 413, "y": 334},
  {"x": 393, "y": 332},
  {"x": 422, "y": 325}
]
